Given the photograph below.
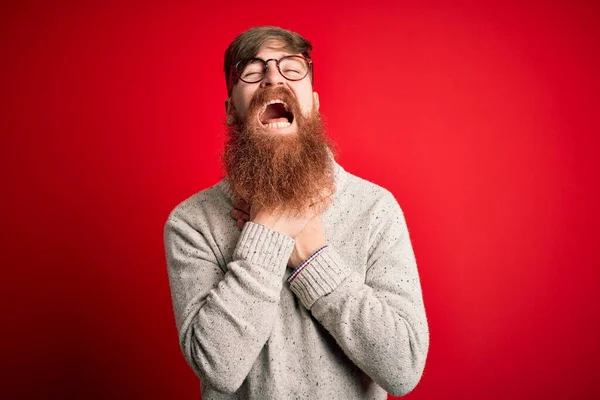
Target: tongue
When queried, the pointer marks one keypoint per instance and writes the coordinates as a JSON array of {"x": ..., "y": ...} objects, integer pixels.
[{"x": 273, "y": 120}]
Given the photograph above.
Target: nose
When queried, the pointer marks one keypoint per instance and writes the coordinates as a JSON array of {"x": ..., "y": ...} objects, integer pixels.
[{"x": 273, "y": 77}]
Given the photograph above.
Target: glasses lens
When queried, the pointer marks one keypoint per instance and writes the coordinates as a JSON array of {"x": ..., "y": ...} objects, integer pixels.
[
  {"x": 293, "y": 68},
  {"x": 252, "y": 71}
]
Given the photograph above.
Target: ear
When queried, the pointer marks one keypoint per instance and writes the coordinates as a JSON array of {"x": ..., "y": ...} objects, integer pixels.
[{"x": 316, "y": 103}]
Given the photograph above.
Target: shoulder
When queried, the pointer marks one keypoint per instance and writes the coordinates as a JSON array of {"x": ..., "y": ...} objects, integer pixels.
[
  {"x": 368, "y": 196},
  {"x": 199, "y": 208}
]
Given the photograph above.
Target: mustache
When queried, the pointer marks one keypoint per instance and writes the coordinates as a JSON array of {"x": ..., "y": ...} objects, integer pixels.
[{"x": 263, "y": 95}]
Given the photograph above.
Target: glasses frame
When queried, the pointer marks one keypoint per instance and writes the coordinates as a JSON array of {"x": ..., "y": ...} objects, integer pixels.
[{"x": 237, "y": 73}]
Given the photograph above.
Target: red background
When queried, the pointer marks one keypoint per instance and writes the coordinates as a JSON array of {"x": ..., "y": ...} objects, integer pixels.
[{"x": 481, "y": 119}]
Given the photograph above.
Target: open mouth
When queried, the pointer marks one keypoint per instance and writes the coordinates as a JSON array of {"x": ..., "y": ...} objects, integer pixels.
[{"x": 275, "y": 114}]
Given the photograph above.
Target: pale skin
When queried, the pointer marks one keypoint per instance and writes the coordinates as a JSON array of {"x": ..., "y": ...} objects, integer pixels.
[
  {"x": 306, "y": 229},
  {"x": 309, "y": 235}
]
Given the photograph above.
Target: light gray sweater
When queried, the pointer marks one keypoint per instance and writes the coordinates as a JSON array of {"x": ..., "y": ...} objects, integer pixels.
[{"x": 351, "y": 325}]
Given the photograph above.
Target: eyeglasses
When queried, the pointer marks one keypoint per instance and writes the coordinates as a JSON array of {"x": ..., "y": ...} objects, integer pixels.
[{"x": 292, "y": 68}]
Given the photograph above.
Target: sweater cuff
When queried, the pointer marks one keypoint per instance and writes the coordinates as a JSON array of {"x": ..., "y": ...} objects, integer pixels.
[
  {"x": 261, "y": 246},
  {"x": 320, "y": 277}
]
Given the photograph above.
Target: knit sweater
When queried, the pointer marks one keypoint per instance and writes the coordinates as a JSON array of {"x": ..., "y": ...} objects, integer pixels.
[{"x": 350, "y": 325}]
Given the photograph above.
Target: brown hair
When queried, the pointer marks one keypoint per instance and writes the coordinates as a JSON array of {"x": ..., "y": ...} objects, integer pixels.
[{"x": 249, "y": 43}]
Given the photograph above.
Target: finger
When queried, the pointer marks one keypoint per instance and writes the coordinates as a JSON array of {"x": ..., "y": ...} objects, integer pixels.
[
  {"x": 324, "y": 194},
  {"x": 241, "y": 204},
  {"x": 326, "y": 201},
  {"x": 238, "y": 214},
  {"x": 327, "y": 192},
  {"x": 240, "y": 224},
  {"x": 321, "y": 203},
  {"x": 319, "y": 208}
]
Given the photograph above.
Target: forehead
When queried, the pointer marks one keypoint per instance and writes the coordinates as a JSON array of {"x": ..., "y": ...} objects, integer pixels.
[{"x": 273, "y": 48}]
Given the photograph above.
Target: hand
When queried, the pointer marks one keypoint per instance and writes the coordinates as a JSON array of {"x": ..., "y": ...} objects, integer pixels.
[
  {"x": 278, "y": 220},
  {"x": 311, "y": 239},
  {"x": 240, "y": 212},
  {"x": 281, "y": 220}
]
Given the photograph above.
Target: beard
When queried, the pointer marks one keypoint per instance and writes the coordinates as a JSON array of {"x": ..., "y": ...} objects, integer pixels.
[{"x": 286, "y": 172}]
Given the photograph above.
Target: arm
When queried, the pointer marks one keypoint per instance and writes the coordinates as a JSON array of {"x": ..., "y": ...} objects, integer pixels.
[
  {"x": 379, "y": 321},
  {"x": 224, "y": 319}
]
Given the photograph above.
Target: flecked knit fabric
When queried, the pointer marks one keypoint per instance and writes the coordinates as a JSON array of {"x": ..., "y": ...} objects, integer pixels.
[{"x": 351, "y": 325}]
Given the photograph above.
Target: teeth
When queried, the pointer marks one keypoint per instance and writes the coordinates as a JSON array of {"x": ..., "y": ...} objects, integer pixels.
[
  {"x": 274, "y": 101},
  {"x": 278, "y": 125}
]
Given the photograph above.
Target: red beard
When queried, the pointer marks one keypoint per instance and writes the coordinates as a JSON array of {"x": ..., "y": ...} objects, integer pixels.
[{"x": 278, "y": 172}]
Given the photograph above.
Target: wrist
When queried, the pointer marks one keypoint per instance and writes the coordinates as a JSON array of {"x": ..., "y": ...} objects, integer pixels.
[
  {"x": 270, "y": 222},
  {"x": 264, "y": 219},
  {"x": 305, "y": 250},
  {"x": 305, "y": 263}
]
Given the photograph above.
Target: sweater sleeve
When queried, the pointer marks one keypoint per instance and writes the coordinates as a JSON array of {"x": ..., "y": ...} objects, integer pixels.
[
  {"x": 224, "y": 319},
  {"x": 378, "y": 321}
]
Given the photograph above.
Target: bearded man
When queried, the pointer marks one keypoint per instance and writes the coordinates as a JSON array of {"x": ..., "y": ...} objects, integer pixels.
[{"x": 311, "y": 290}]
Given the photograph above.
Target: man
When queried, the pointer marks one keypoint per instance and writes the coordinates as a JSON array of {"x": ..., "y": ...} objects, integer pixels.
[{"x": 311, "y": 290}]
